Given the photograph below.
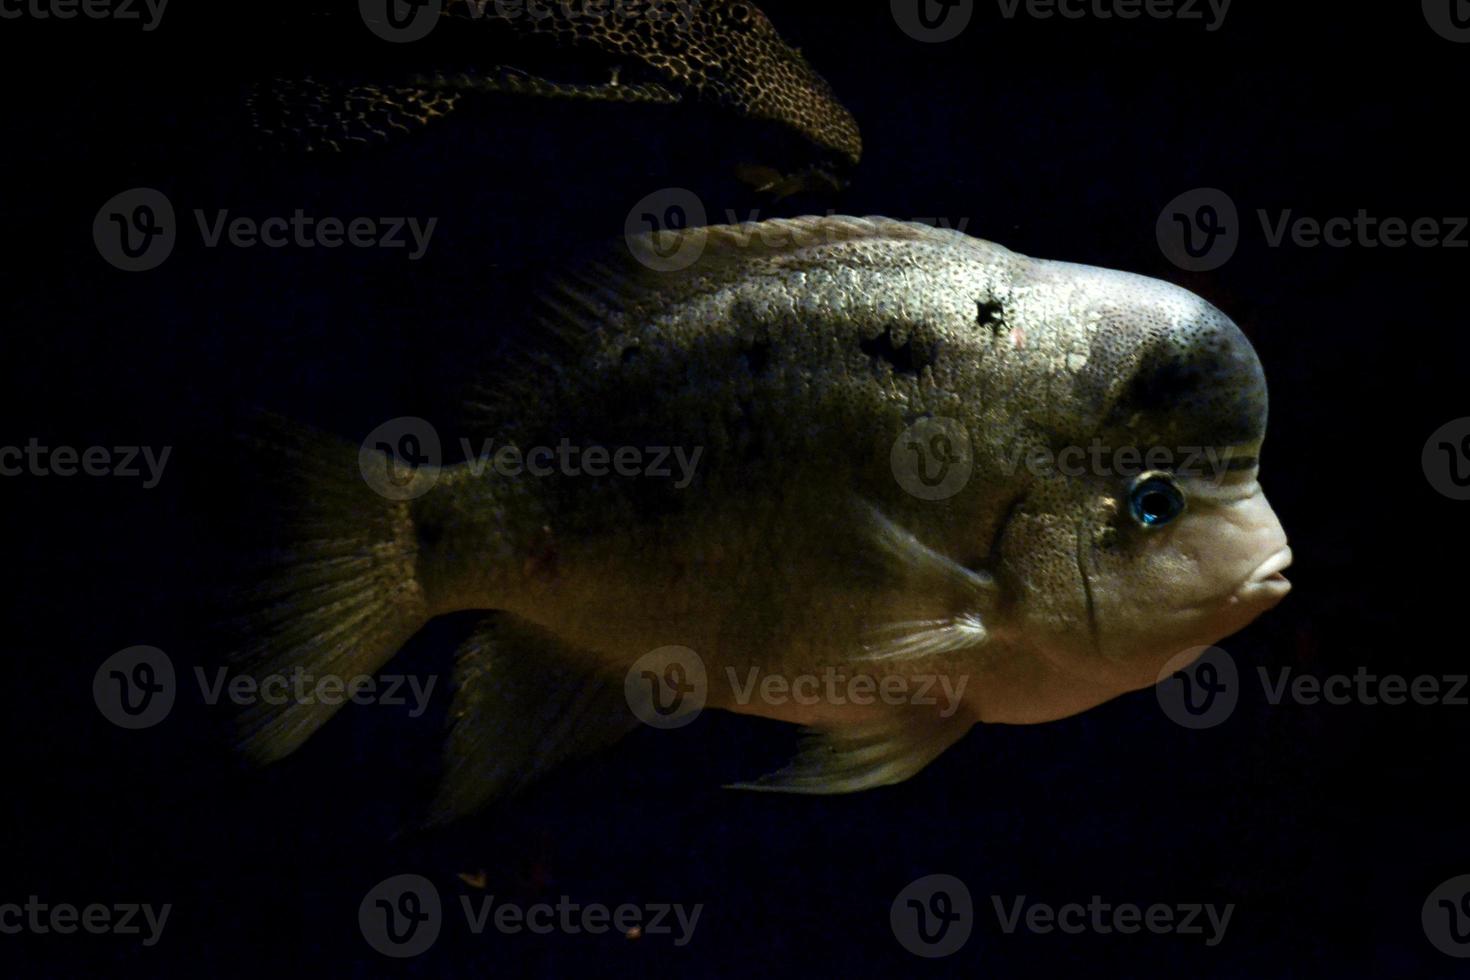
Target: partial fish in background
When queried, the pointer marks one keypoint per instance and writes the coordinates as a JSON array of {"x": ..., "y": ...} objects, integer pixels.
[
  {"x": 800, "y": 363},
  {"x": 720, "y": 55}
]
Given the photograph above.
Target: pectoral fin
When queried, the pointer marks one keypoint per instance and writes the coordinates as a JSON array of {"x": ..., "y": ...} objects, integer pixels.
[
  {"x": 910, "y": 567},
  {"x": 848, "y": 760},
  {"x": 524, "y": 701}
]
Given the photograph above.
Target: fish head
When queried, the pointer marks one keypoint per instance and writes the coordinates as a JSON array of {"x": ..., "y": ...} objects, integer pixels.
[{"x": 1148, "y": 532}]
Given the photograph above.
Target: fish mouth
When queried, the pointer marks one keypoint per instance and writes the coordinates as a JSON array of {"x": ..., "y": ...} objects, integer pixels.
[{"x": 1267, "y": 581}]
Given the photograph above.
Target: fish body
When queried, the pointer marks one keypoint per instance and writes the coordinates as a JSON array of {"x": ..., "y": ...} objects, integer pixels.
[{"x": 862, "y": 408}]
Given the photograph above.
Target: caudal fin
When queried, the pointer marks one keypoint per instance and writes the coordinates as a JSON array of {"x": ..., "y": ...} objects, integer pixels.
[{"x": 333, "y": 592}]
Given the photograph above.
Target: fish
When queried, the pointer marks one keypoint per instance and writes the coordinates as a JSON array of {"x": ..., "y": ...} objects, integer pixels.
[
  {"x": 877, "y": 417},
  {"x": 716, "y": 56}
]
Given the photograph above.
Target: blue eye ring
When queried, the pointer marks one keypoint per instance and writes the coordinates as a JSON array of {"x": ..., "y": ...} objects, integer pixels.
[{"x": 1155, "y": 501}]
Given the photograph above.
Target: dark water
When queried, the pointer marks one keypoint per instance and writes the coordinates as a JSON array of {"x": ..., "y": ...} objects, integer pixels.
[{"x": 1325, "y": 826}]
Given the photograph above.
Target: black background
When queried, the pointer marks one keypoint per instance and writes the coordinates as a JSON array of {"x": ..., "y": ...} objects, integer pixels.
[{"x": 1326, "y": 826}]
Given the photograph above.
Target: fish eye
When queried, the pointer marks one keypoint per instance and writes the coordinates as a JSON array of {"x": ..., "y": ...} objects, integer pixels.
[{"x": 1155, "y": 501}]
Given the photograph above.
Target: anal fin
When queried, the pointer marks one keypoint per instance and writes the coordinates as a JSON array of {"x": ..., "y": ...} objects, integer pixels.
[
  {"x": 524, "y": 701},
  {"x": 866, "y": 756}
]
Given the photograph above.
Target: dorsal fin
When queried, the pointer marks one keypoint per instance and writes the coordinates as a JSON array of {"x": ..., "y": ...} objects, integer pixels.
[{"x": 649, "y": 271}]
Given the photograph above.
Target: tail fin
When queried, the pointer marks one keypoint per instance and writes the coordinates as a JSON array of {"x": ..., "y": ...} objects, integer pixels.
[{"x": 334, "y": 593}]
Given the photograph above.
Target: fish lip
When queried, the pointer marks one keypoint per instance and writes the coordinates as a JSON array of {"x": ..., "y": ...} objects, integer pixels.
[
  {"x": 1273, "y": 566},
  {"x": 1267, "y": 579}
]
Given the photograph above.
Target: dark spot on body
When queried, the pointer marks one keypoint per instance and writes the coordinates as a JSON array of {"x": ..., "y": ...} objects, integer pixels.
[
  {"x": 630, "y": 354},
  {"x": 990, "y": 314},
  {"x": 911, "y": 358}
]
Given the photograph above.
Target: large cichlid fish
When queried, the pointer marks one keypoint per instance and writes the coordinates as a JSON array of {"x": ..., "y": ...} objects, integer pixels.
[{"x": 911, "y": 458}]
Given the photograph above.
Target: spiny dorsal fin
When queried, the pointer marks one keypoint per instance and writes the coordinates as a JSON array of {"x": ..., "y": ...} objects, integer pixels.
[{"x": 650, "y": 271}]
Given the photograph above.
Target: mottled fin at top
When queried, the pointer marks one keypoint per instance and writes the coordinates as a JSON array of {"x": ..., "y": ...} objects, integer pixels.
[
  {"x": 315, "y": 115},
  {"x": 524, "y": 701},
  {"x": 849, "y": 760},
  {"x": 332, "y": 116}
]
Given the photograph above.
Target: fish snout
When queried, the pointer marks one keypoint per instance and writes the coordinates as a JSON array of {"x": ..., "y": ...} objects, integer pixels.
[{"x": 1267, "y": 582}]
